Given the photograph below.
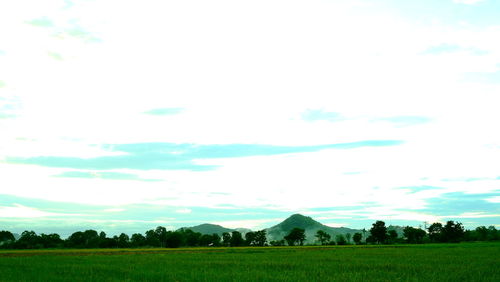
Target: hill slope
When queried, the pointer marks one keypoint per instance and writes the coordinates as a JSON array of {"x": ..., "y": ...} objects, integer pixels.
[
  {"x": 210, "y": 229},
  {"x": 310, "y": 226}
]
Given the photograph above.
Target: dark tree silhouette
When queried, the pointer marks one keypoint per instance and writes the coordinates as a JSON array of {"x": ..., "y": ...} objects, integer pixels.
[
  {"x": 250, "y": 238},
  {"x": 357, "y": 238},
  {"x": 260, "y": 238},
  {"x": 340, "y": 239},
  {"x": 392, "y": 236},
  {"x": 296, "y": 236},
  {"x": 236, "y": 239},
  {"x": 137, "y": 240},
  {"x": 174, "y": 239},
  {"x": 123, "y": 241},
  {"x": 435, "y": 232},
  {"x": 413, "y": 235},
  {"x": 453, "y": 232},
  {"x": 51, "y": 240},
  {"x": 379, "y": 232},
  {"x": 152, "y": 239},
  {"x": 161, "y": 234},
  {"x": 6, "y": 237}
]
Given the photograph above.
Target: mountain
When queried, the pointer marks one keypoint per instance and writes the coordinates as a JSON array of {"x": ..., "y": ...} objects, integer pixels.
[
  {"x": 310, "y": 226},
  {"x": 210, "y": 229}
]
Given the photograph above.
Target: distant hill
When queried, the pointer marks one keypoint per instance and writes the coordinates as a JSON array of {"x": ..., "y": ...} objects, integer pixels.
[
  {"x": 243, "y": 231},
  {"x": 310, "y": 225},
  {"x": 210, "y": 229}
]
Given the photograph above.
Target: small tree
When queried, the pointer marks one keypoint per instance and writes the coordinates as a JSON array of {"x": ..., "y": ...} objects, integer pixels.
[
  {"x": 296, "y": 236},
  {"x": 226, "y": 239},
  {"x": 392, "y": 236},
  {"x": 340, "y": 239},
  {"x": 277, "y": 243},
  {"x": 348, "y": 238},
  {"x": 323, "y": 237},
  {"x": 413, "y": 235},
  {"x": 357, "y": 238}
]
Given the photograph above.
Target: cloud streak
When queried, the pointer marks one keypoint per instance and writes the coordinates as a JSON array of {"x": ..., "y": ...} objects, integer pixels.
[{"x": 168, "y": 156}]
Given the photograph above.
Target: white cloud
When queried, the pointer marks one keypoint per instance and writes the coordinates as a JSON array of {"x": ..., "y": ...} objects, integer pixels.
[
  {"x": 20, "y": 211},
  {"x": 185, "y": 210}
]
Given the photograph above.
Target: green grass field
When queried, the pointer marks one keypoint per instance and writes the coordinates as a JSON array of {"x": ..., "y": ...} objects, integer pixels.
[{"x": 436, "y": 262}]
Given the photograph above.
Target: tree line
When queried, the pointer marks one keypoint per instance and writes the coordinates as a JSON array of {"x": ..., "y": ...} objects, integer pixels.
[
  {"x": 159, "y": 238},
  {"x": 452, "y": 232}
]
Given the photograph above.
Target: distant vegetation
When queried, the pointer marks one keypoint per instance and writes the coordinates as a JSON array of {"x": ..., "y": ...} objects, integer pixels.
[{"x": 296, "y": 230}]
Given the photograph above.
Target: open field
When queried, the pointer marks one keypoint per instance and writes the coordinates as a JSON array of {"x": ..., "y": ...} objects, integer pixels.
[{"x": 434, "y": 262}]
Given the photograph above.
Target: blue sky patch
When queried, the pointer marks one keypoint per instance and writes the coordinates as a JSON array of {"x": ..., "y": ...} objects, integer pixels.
[
  {"x": 458, "y": 202},
  {"x": 164, "y": 111},
  {"x": 103, "y": 175},
  {"x": 169, "y": 156}
]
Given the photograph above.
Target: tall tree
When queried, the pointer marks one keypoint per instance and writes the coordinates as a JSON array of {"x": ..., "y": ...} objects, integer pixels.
[
  {"x": 123, "y": 241},
  {"x": 260, "y": 238},
  {"x": 453, "y": 232},
  {"x": 322, "y": 237},
  {"x": 6, "y": 237},
  {"x": 152, "y": 239},
  {"x": 161, "y": 234},
  {"x": 482, "y": 233},
  {"x": 297, "y": 236},
  {"x": 250, "y": 238},
  {"x": 379, "y": 232},
  {"x": 236, "y": 239},
  {"x": 435, "y": 232},
  {"x": 28, "y": 240}
]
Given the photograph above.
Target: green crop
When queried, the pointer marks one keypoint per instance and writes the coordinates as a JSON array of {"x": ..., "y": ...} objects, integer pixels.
[{"x": 432, "y": 262}]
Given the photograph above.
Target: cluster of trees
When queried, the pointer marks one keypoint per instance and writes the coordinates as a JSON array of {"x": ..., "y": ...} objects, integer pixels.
[
  {"x": 161, "y": 237},
  {"x": 451, "y": 232}
]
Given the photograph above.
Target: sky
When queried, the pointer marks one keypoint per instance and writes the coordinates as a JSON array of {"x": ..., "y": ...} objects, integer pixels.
[{"x": 126, "y": 115}]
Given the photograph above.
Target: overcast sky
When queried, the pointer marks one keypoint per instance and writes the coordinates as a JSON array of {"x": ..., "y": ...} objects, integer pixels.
[{"x": 125, "y": 115}]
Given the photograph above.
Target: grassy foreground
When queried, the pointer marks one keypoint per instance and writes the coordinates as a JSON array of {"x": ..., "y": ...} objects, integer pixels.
[{"x": 439, "y": 262}]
